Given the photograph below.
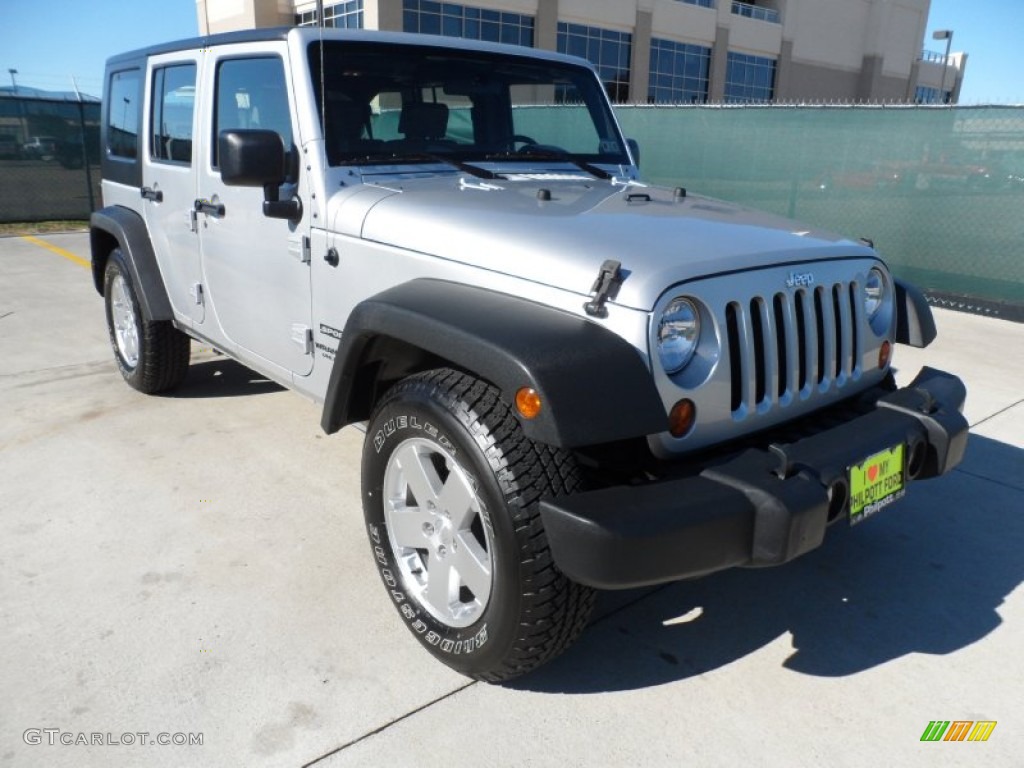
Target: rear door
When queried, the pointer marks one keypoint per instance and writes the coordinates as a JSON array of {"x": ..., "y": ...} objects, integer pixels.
[
  {"x": 256, "y": 268},
  {"x": 169, "y": 179}
]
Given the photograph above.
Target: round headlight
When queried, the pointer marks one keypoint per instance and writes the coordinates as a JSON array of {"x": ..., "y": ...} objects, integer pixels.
[
  {"x": 678, "y": 331},
  {"x": 874, "y": 292}
]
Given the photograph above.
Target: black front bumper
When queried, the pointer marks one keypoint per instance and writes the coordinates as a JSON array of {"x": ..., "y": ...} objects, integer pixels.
[{"x": 763, "y": 507}]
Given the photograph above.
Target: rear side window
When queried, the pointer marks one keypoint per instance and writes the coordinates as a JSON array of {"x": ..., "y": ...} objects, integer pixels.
[
  {"x": 174, "y": 97},
  {"x": 251, "y": 93},
  {"x": 123, "y": 112}
]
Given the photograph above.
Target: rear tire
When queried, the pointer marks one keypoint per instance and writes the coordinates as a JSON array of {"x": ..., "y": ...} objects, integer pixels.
[
  {"x": 152, "y": 356},
  {"x": 450, "y": 494}
]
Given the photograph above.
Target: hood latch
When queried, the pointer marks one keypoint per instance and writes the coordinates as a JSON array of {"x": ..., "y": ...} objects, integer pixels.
[{"x": 609, "y": 279}]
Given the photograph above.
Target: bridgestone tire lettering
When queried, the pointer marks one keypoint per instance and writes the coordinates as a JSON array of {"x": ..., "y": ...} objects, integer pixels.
[{"x": 533, "y": 612}]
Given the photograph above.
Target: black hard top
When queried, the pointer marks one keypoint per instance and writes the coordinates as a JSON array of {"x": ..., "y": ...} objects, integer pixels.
[
  {"x": 224, "y": 38},
  {"x": 311, "y": 33}
]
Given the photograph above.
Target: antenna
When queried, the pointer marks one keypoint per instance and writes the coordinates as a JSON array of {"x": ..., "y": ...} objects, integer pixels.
[
  {"x": 323, "y": 78},
  {"x": 320, "y": 23},
  {"x": 85, "y": 152}
]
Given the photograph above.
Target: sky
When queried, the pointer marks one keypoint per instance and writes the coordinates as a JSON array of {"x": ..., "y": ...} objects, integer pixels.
[
  {"x": 992, "y": 34},
  {"x": 51, "y": 42}
]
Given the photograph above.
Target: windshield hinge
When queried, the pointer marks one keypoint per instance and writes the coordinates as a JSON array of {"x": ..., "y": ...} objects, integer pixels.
[{"x": 607, "y": 285}]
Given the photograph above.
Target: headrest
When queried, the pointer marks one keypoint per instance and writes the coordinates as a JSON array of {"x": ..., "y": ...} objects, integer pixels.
[{"x": 424, "y": 121}]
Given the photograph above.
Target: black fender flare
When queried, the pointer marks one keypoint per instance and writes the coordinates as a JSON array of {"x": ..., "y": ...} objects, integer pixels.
[
  {"x": 915, "y": 325},
  {"x": 128, "y": 229},
  {"x": 594, "y": 385}
]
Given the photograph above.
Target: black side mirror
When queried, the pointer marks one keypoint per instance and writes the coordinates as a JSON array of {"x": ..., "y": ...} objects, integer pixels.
[
  {"x": 634, "y": 150},
  {"x": 257, "y": 158}
]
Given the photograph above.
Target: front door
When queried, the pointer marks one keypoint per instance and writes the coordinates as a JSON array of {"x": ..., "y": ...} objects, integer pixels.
[{"x": 257, "y": 278}]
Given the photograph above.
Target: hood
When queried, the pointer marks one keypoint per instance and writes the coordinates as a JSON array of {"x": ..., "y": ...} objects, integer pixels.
[{"x": 509, "y": 226}]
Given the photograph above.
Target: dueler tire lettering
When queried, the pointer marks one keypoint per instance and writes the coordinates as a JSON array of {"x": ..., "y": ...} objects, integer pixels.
[
  {"x": 450, "y": 494},
  {"x": 152, "y": 356}
]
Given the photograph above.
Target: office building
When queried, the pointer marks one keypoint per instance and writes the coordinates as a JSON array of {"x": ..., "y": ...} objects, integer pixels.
[{"x": 675, "y": 51}]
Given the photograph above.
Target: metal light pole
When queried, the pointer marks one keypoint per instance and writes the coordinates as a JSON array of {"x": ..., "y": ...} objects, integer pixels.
[
  {"x": 947, "y": 35},
  {"x": 23, "y": 120}
]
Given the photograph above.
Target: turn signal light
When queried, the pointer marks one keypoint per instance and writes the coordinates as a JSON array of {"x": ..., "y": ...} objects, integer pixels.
[
  {"x": 681, "y": 418},
  {"x": 528, "y": 403},
  {"x": 884, "y": 354}
]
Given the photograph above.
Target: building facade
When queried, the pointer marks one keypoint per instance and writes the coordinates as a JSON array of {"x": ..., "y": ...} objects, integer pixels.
[{"x": 674, "y": 51}]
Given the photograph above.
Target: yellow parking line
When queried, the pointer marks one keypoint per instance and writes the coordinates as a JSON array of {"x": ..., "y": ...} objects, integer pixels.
[{"x": 59, "y": 251}]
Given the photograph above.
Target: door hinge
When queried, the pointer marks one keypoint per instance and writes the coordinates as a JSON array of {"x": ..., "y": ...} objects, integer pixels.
[
  {"x": 303, "y": 336},
  {"x": 192, "y": 220},
  {"x": 301, "y": 249},
  {"x": 197, "y": 293}
]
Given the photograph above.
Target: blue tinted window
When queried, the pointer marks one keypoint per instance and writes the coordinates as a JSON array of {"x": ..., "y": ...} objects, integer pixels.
[
  {"x": 453, "y": 20},
  {"x": 749, "y": 78},
  {"x": 609, "y": 51},
  {"x": 679, "y": 72},
  {"x": 927, "y": 95},
  {"x": 347, "y": 14}
]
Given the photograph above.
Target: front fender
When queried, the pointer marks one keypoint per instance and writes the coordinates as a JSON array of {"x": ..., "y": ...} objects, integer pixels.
[{"x": 595, "y": 386}]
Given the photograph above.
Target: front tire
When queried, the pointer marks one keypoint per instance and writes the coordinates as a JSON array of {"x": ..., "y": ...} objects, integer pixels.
[
  {"x": 450, "y": 494},
  {"x": 152, "y": 356}
]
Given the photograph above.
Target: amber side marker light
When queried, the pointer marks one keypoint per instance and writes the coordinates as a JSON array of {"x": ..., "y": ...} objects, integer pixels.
[
  {"x": 884, "y": 354},
  {"x": 682, "y": 418},
  {"x": 528, "y": 403}
]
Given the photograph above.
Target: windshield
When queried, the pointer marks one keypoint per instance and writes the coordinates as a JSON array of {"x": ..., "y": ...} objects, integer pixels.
[{"x": 389, "y": 104}]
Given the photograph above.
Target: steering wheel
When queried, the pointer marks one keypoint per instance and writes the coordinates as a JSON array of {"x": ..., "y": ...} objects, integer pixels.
[{"x": 526, "y": 141}]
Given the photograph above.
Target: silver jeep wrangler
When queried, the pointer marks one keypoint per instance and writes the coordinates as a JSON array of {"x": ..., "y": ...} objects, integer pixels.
[{"x": 568, "y": 379}]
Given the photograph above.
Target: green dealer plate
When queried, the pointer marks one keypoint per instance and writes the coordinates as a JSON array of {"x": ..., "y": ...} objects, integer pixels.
[{"x": 876, "y": 483}]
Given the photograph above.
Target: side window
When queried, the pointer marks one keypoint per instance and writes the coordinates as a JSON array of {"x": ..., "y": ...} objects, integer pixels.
[
  {"x": 251, "y": 93},
  {"x": 123, "y": 112},
  {"x": 174, "y": 96}
]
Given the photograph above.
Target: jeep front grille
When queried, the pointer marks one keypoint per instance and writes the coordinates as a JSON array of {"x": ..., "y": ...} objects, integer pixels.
[{"x": 791, "y": 345}]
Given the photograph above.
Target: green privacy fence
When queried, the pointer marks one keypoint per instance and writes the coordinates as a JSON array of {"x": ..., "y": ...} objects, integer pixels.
[
  {"x": 49, "y": 157},
  {"x": 940, "y": 191}
]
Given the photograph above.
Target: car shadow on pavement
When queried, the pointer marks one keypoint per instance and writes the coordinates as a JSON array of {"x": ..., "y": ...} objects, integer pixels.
[
  {"x": 926, "y": 577},
  {"x": 223, "y": 377}
]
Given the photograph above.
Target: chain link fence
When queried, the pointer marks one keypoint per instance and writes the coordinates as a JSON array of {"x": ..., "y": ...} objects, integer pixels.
[
  {"x": 939, "y": 190},
  {"x": 49, "y": 158}
]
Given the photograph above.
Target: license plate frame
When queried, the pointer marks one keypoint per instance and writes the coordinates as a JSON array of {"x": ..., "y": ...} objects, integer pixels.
[{"x": 877, "y": 482}]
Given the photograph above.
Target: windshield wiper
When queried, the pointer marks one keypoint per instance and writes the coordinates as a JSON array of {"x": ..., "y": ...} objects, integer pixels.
[
  {"x": 550, "y": 154},
  {"x": 423, "y": 157}
]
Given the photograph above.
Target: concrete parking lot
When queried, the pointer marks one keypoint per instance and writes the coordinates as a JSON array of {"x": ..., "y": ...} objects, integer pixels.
[{"x": 197, "y": 564}]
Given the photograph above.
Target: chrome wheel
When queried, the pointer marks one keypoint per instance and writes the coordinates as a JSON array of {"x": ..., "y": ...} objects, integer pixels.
[
  {"x": 438, "y": 531},
  {"x": 122, "y": 315}
]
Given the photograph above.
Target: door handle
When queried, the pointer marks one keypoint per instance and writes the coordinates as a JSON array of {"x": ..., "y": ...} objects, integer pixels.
[
  {"x": 205, "y": 206},
  {"x": 156, "y": 195}
]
